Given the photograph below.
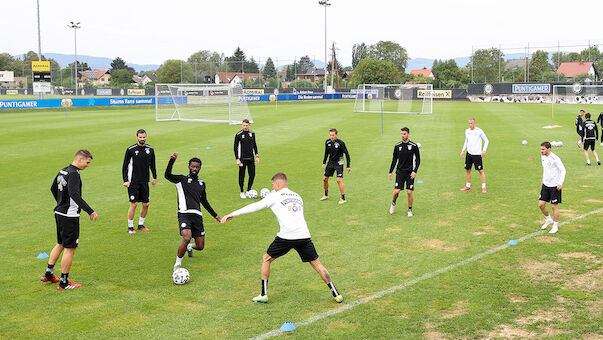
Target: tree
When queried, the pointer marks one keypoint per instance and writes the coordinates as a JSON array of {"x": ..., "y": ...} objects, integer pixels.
[
  {"x": 120, "y": 64},
  {"x": 539, "y": 64},
  {"x": 236, "y": 62},
  {"x": 359, "y": 52},
  {"x": 80, "y": 66},
  {"x": 290, "y": 75},
  {"x": 121, "y": 77},
  {"x": 373, "y": 71},
  {"x": 206, "y": 61},
  {"x": 390, "y": 51},
  {"x": 592, "y": 54},
  {"x": 251, "y": 66},
  {"x": 6, "y": 61},
  {"x": 302, "y": 83},
  {"x": 448, "y": 74},
  {"x": 304, "y": 65},
  {"x": 175, "y": 71},
  {"x": 485, "y": 64},
  {"x": 269, "y": 71}
]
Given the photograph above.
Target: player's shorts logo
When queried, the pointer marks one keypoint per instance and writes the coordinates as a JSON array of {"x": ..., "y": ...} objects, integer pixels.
[
  {"x": 183, "y": 225},
  {"x": 132, "y": 197}
]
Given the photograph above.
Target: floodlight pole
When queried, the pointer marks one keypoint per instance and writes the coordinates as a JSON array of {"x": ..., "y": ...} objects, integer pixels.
[
  {"x": 325, "y": 3},
  {"x": 75, "y": 26}
]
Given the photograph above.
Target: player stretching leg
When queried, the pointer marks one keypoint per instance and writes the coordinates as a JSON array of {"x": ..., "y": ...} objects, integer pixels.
[{"x": 288, "y": 207}]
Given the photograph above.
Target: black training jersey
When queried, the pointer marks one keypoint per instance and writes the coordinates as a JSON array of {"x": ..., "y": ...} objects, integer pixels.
[
  {"x": 244, "y": 145},
  {"x": 67, "y": 191},
  {"x": 137, "y": 162},
  {"x": 406, "y": 155},
  {"x": 334, "y": 151},
  {"x": 191, "y": 192},
  {"x": 600, "y": 119},
  {"x": 590, "y": 130},
  {"x": 579, "y": 122}
]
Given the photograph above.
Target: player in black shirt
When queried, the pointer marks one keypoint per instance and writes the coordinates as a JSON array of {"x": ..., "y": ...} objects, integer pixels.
[
  {"x": 139, "y": 158},
  {"x": 590, "y": 136},
  {"x": 579, "y": 122},
  {"x": 191, "y": 194},
  {"x": 406, "y": 156},
  {"x": 334, "y": 150},
  {"x": 66, "y": 189},
  {"x": 600, "y": 122},
  {"x": 245, "y": 148}
]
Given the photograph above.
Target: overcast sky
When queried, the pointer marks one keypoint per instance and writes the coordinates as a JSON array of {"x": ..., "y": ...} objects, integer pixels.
[{"x": 149, "y": 32}]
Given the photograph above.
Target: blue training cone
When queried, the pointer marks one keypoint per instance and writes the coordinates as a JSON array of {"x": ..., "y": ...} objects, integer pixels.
[
  {"x": 420, "y": 181},
  {"x": 513, "y": 242},
  {"x": 42, "y": 255},
  {"x": 208, "y": 147},
  {"x": 287, "y": 327}
]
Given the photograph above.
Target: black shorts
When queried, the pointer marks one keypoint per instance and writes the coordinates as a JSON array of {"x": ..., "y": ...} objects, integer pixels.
[
  {"x": 193, "y": 222},
  {"x": 304, "y": 247},
  {"x": 68, "y": 231},
  {"x": 550, "y": 194},
  {"x": 589, "y": 143},
  {"x": 473, "y": 160},
  {"x": 138, "y": 192},
  {"x": 330, "y": 169},
  {"x": 402, "y": 179}
]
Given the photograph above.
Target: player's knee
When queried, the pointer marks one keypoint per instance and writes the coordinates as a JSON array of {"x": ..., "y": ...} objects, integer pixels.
[
  {"x": 186, "y": 238},
  {"x": 339, "y": 180},
  {"x": 541, "y": 204},
  {"x": 134, "y": 204},
  {"x": 266, "y": 258},
  {"x": 146, "y": 204}
]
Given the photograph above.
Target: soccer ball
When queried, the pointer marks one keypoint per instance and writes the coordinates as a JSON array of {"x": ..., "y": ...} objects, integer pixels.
[
  {"x": 524, "y": 142},
  {"x": 264, "y": 192},
  {"x": 252, "y": 194},
  {"x": 419, "y": 145},
  {"x": 181, "y": 276}
]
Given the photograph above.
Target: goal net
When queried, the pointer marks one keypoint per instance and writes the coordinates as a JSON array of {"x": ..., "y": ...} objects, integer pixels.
[
  {"x": 219, "y": 103},
  {"x": 578, "y": 94},
  {"x": 392, "y": 98}
]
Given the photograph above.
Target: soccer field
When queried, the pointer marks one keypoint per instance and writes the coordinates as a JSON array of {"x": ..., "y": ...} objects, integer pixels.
[{"x": 547, "y": 286}]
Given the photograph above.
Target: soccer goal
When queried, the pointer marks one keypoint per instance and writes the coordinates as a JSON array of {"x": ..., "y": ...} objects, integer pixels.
[
  {"x": 217, "y": 103},
  {"x": 392, "y": 98},
  {"x": 578, "y": 94}
]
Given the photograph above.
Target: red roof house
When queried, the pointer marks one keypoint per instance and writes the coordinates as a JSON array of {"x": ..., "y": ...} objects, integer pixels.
[
  {"x": 424, "y": 72},
  {"x": 572, "y": 69}
]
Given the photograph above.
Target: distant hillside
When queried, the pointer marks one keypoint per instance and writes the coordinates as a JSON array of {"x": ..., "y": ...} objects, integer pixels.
[{"x": 97, "y": 63}]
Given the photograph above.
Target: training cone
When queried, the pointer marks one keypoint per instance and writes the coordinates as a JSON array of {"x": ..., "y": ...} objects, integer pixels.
[
  {"x": 287, "y": 327},
  {"x": 513, "y": 242},
  {"x": 208, "y": 147},
  {"x": 420, "y": 181},
  {"x": 42, "y": 255},
  {"x": 529, "y": 159}
]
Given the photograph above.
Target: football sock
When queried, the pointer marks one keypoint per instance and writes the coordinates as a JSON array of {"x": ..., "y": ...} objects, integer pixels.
[
  {"x": 326, "y": 192},
  {"x": 394, "y": 203},
  {"x": 555, "y": 224},
  {"x": 64, "y": 279},
  {"x": 409, "y": 208},
  {"x": 130, "y": 224},
  {"x": 333, "y": 289},
  {"x": 190, "y": 246},
  {"x": 343, "y": 197},
  {"x": 483, "y": 185},
  {"x": 178, "y": 261},
  {"x": 468, "y": 185},
  {"x": 264, "y": 287},
  {"x": 140, "y": 220},
  {"x": 548, "y": 218},
  {"x": 49, "y": 271},
  {"x": 588, "y": 161}
]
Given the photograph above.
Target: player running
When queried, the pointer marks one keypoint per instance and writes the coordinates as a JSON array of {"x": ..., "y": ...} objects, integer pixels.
[
  {"x": 244, "y": 149},
  {"x": 334, "y": 150},
  {"x": 66, "y": 189},
  {"x": 553, "y": 175},
  {"x": 288, "y": 207},
  {"x": 139, "y": 158},
  {"x": 579, "y": 129},
  {"x": 590, "y": 133},
  {"x": 191, "y": 193},
  {"x": 473, "y": 144},
  {"x": 406, "y": 156}
]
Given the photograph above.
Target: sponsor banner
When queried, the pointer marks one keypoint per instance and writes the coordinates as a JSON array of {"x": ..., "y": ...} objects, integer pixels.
[
  {"x": 369, "y": 91},
  {"x": 253, "y": 91},
  {"x": 41, "y": 87},
  {"x": 41, "y": 76},
  {"x": 136, "y": 92},
  {"x": 531, "y": 88},
  {"x": 7, "y": 76},
  {"x": 12, "y": 92},
  {"x": 40, "y": 66},
  {"x": 104, "y": 92},
  {"x": 79, "y": 102},
  {"x": 436, "y": 94}
]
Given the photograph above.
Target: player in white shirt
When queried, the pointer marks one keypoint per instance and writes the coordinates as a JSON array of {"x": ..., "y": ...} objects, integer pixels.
[
  {"x": 288, "y": 207},
  {"x": 475, "y": 153},
  {"x": 553, "y": 175}
]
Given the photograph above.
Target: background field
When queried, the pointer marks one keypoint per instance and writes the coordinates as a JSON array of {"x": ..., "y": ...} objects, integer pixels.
[{"x": 546, "y": 287}]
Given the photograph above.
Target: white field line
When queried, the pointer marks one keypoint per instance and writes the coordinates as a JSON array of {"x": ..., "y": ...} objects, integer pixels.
[{"x": 353, "y": 304}]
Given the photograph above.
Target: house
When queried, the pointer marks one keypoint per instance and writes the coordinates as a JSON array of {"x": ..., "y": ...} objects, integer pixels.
[
  {"x": 511, "y": 64},
  {"x": 236, "y": 78},
  {"x": 96, "y": 77},
  {"x": 424, "y": 72},
  {"x": 312, "y": 75},
  {"x": 572, "y": 69},
  {"x": 144, "y": 80}
]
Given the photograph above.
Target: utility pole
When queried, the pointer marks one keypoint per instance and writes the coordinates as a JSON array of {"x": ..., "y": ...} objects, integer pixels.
[
  {"x": 332, "y": 63},
  {"x": 326, "y": 4}
]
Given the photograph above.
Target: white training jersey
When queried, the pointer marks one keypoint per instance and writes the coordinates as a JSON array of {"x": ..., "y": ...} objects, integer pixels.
[
  {"x": 473, "y": 141},
  {"x": 288, "y": 207},
  {"x": 553, "y": 171}
]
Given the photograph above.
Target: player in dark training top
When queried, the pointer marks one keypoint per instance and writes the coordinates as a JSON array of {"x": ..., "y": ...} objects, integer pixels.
[
  {"x": 67, "y": 191},
  {"x": 245, "y": 150},
  {"x": 590, "y": 134},
  {"x": 406, "y": 160},
  {"x": 579, "y": 122},
  {"x": 139, "y": 159},
  {"x": 600, "y": 122},
  {"x": 334, "y": 150},
  {"x": 191, "y": 194}
]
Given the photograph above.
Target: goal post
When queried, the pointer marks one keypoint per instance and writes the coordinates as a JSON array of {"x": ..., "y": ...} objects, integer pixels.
[
  {"x": 394, "y": 98},
  {"x": 216, "y": 103},
  {"x": 576, "y": 94}
]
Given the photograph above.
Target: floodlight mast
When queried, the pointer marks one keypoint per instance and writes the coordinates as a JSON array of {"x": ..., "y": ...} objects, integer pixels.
[
  {"x": 326, "y": 4},
  {"x": 75, "y": 26}
]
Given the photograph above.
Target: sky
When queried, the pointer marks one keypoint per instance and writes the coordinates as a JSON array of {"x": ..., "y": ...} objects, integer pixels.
[{"x": 150, "y": 32}]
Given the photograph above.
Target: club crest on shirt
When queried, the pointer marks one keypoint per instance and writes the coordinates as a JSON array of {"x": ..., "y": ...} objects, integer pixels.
[
  {"x": 190, "y": 180},
  {"x": 336, "y": 145},
  {"x": 136, "y": 152},
  {"x": 242, "y": 136},
  {"x": 148, "y": 151},
  {"x": 249, "y": 134},
  {"x": 400, "y": 149},
  {"x": 409, "y": 147}
]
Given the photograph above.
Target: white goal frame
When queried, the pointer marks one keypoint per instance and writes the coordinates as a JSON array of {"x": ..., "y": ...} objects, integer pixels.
[
  {"x": 370, "y": 98},
  {"x": 578, "y": 94},
  {"x": 212, "y": 103}
]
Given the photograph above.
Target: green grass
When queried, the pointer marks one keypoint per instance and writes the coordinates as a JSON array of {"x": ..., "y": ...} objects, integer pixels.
[{"x": 546, "y": 287}]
